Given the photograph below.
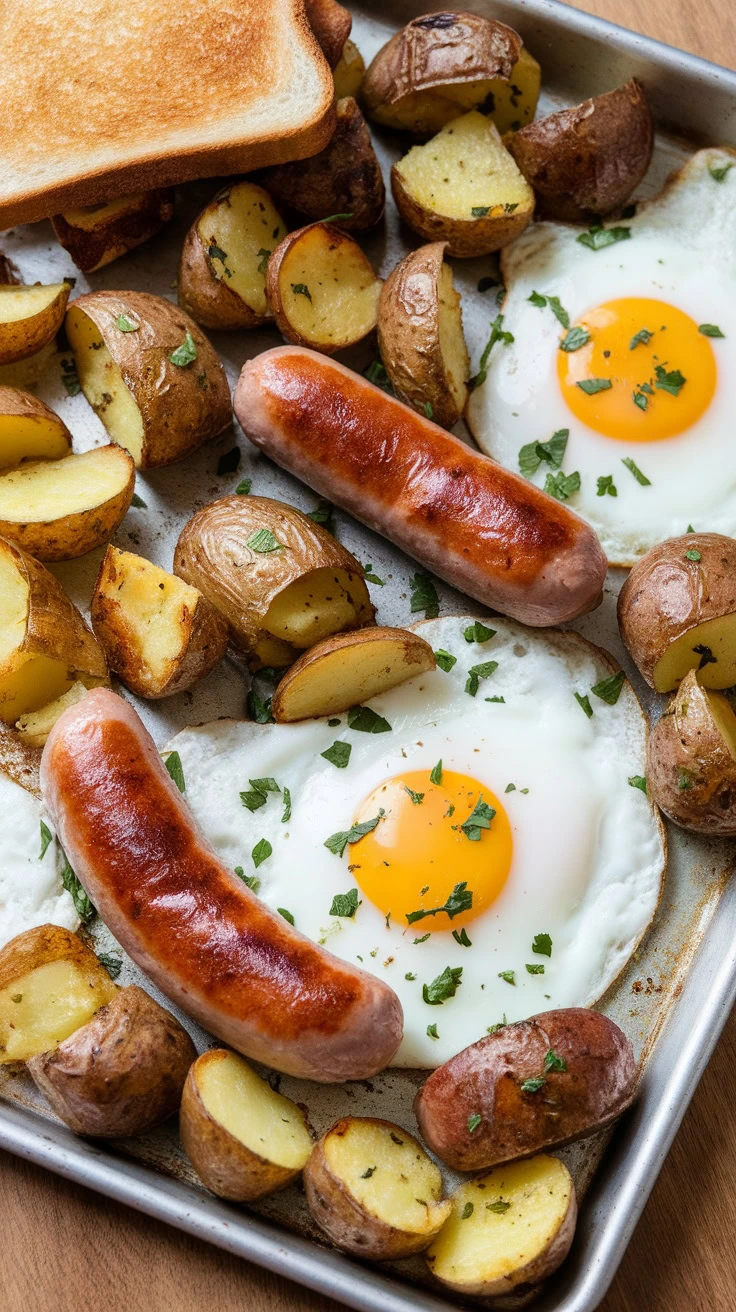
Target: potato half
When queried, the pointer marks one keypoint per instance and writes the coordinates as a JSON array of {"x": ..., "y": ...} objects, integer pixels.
[
  {"x": 34, "y": 727},
  {"x": 463, "y": 187},
  {"x": 691, "y": 762},
  {"x": 29, "y": 318},
  {"x": 443, "y": 64},
  {"x": 95, "y": 235},
  {"x": 121, "y": 1073},
  {"x": 282, "y": 582},
  {"x": 60, "y": 509},
  {"x": 372, "y": 1188},
  {"x": 586, "y": 161},
  {"x": 244, "y": 1139},
  {"x": 322, "y": 289},
  {"x": 348, "y": 72},
  {"x": 149, "y": 373},
  {"x": 420, "y": 335},
  {"x": 508, "y": 1230},
  {"x": 50, "y": 985},
  {"x": 29, "y": 430},
  {"x": 222, "y": 271},
  {"x": 348, "y": 669},
  {"x": 159, "y": 635},
  {"x": 28, "y": 372}
]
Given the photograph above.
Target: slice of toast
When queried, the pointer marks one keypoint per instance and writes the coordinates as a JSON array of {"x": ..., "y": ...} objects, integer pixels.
[{"x": 102, "y": 98}]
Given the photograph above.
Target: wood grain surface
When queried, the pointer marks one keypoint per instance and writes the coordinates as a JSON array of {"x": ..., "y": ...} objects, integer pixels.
[{"x": 64, "y": 1249}]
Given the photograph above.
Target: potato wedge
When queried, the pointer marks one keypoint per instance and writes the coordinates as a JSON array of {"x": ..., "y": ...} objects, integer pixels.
[
  {"x": 677, "y": 611},
  {"x": 60, "y": 509},
  {"x": 586, "y": 161},
  {"x": 222, "y": 271},
  {"x": 345, "y": 178},
  {"x": 322, "y": 289},
  {"x": 121, "y": 1073},
  {"x": 149, "y": 373},
  {"x": 420, "y": 335},
  {"x": 441, "y": 65},
  {"x": 34, "y": 727},
  {"x": 28, "y": 372},
  {"x": 347, "y": 670},
  {"x": 348, "y": 72},
  {"x": 331, "y": 23},
  {"x": 244, "y": 1139},
  {"x": 463, "y": 187},
  {"x": 508, "y": 1230},
  {"x": 282, "y": 582},
  {"x": 691, "y": 761},
  {"x": 159, "y": 635},
  {"x": 30, "y": 317},
  {"x": 372, "y": 1188},
  {"x": 29, "y": 430},
  {"x": 95, "y": 235},
  {"x": 45, "y": 646},
  {"x": 50, "y": 985}
]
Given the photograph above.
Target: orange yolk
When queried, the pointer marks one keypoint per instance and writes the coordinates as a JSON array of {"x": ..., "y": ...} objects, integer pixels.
[
  {"x": 418, "y": 853},
  {"x": 637, "y": 407}
]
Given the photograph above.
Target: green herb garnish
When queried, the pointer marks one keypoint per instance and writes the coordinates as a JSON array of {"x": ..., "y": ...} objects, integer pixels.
[
  {"x": 176, "y": 771},
  {"x": 574, "y": 339},
  {"x": 424, "y": 596},
  {"x": 609, "y": 690},
  {"x": 584, "y": 701},
  {"x": 542, "y": 945},
  {"x": 126, "y": 325},
  {"x": 46, "y": 838},
  {"x": 443, "y": 987},
  {"x": 365, "y": 720},
  {"x": 606, "y": 486},
  {"x": 553, "y": 451},
  {"x": 635, "y": 470},
  {"x": 436, "y": 773},
  {"x": 478, "y": 632},
  {"x": 186, "y": 353},
  {"x": 338, "y": 842},
  {"x": 478, "y": 672},
  {"x": 264, "y": 542},
  {"x": 459, "y": 900},
  {"x": 445, "y": 660},
  {"x": 598, "y": 237},
  {"x": 480, "y": 818},
  {"x": 561, "y": 486},
  {"x": 261, "y": 852},
  {"x": 593, "y": 385},
  {"x": 82, "y": 904},
  {"x": 345, "y": 904},
  {"x": 473, "y": 1122},
  {"x": 497, "y": 335},
  {"x": 301, "y": 289},
  {"x": 338, "y": 754}
]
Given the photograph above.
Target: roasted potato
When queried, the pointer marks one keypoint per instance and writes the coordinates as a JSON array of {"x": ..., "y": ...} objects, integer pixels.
[
  {"x": 34, "y": 727},
  {"x": 322, "y": 289},
  {"x": 348, "y": 73},
  {"x": 463, "y": 187},
  {"x": 443, "y": 64},
  {"x": 475, "y": 1111},
  {"x": 121, "y": 1073},
  {"x": 420, "y": 335},
  {"x": 149, "y": 373},
  {"x": 95, "y": 235},
  {"x": 222, "y": 271},
  {"x": 372, "y": 1188},
  {"x": 244, "y": 1139},
  {"x": 345, "y": 178},
  {"x": 29, "y": 430},
  {"x": 50, "y": 985},
  {"x": 507, "y": 1232},
  {"x": 282, "y": 582},
  {"x": 331, "y": 23},
  {"x": 45, "y": 646},
  {"x": 28, "y": 372},
  {"x": 586, "y": 161},
  {"x": 60, "y": 509},
  {"x": 348, "y": 669},
  {"x": 30, "y": 317},
  {"x": 691, "y": 762},
  {"x": 677, "y": 611},
  {"x": 159, "y": 635}
]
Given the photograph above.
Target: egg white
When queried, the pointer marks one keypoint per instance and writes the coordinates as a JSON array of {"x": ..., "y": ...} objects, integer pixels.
[{"x": 31, "y": 891}]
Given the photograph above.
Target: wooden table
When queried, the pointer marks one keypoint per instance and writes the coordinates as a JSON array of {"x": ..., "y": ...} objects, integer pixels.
[{"x": 63, "y": 1249}]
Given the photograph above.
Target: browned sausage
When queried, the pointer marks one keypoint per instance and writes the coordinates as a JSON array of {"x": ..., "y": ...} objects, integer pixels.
[{"x": 480, "y": 527}]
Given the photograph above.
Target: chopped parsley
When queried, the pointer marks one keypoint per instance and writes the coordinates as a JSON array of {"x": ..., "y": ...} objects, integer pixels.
[
  {"x": 553, "y": 451},
  {"x": 609, "y": 690},
  {"x": 638, "y": 781},
  {"x": 542, "y": 945},
  {"x": 719, "y": 174},
  {"x": 480, "y": 211},
  {"x": 82, "y": 904},
  {"x": 574, "y": 339},
  {"x": 126, "y": 325},
  {"x": 176, "y": 771},
  {"x": 684, "y": 781},
  {"x": 497, "y": 335},
  {"x": 443, "y": 987},
  {"x": 372, "y": 577},
  {"x": 435, "y": 776},
  {"x": 461, "y": 937},
  {"x": 345, "y": 904},
  {"x": 264, "y": 542},
  {"x": 478, "y": 632},
  {"x": 508, "y": 975},
  {"x": 261, "y": 852},
  {"x": 642, "y": 338},
  {"x": 478, "y": 672},
  {"x": 499, "y": 1207},
  {"x": 466, "y": 1212},
  {"x": 243, "y": 487},
  {"x": 554, "y": 1063},
  {"x": 535, "y": 1082},
  {"x": 635, "y": 470},
  {"x": 535, "y": 969},
  {"x": 46, "y": 838},
  {"x": 473, "y": 1122},
  {"x": 606, "y": 486},
  {"x": 301, "y": 289},
  {"x": 423, "y": 939},
  {"x": 640, "y": 399},
  {"x": 376, "y": 374},
  {"x": 323, "y": 514},
  {"x": 432, "y": 1030},
  {"x": 555, "y": 306},
  {"x": 459, "y": 900},
  {"x": 338, "y": 842},
  {"x": 338, "y": 754},
  {"x": 186, "y": 353},
  {"x": 597, "y": 237},
  {"x": 365, "y": 720},
  {"x": 561, "y": 486},
  {"x": 263, "y": 258},
  {"x": 424, "y": 596},
  {"x": 258, "y": 794},
  {"x": 480, "y": 818},
  {"x": 710, "y": 330},
  {"x": 252, "y": 881},
  {"x": 259, "y": 710},
  {"x": 138, "y": 502},
  {"x": 671, "y": 381},
  {"x": 286, "y": 914},
  {"x": 417, "y": 798},
  {"x": 113, "y": 965},
  {"x": 445, "y": 659},
  {"x": 693, "y": 554},
  {"x": 584, "y": 701},
  {"x": 593, "y": 385},
  {"x": 70, "y": 378}
]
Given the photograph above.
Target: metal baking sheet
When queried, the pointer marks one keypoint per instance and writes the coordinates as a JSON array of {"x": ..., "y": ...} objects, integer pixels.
[{"x": 675, "y": 995}]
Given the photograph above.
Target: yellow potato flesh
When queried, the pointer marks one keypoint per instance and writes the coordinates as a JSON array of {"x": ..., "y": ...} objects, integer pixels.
[
  {"x": 452, "y": 342},
  {"x": 347, "y": 677},
  {"x": 31, "y": 684},
  {"x": 103, "y": 385},
  {"x": 31, "y": 438},
  {"x": 509, "y": 104},
  {"x": 391, "y": 1177},
  {"x": 154, "y": 604},
  {"x": 45, "y": 1006},
  {"x": 725, "y": 720},
  {"x": 14, "y": 601},
  {"x": 267, "y": 1123},
  {"x": 89, "y": 217},
  {"x": 246, "y": 228},
  {"x": 35, "y": 727},
  {"x": 719, "y": 636},
  {"x": 348, "y": 73},
  {"x": 342, "y": 303},
  {"x": 465, "y": 167},
  {"x": 28, "y": 372},
  {"x": 313, "y": 607},
  {"x": 44, "y": 491},
  {"x": 18, "y": 303}
]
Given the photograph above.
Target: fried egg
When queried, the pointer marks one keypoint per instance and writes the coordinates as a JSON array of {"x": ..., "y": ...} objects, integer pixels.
[
  {"x": 472, "y": 837},
  {"x": 624, "y": 353},
  {"x": 31, "y": 891}
]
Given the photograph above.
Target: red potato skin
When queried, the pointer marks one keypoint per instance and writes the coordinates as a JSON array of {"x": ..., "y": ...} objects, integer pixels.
[
  {"x": 598, "y": 1085},
  {"x": 196, "y": 929},
  {"x": 481, "y": 528}
]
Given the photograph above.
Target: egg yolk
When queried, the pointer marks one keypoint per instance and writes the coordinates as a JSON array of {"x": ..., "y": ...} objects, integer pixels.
[
  {"x": 646, "y": 372},
  {"x": 418, "y": 852}
]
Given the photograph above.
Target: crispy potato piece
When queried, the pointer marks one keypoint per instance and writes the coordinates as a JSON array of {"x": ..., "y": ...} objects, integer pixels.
[
  {"x": 347, "y": 670},
  {"x": 348, "y": 73},
  {"x": 121, "y": 1073},
  {"x": 441, "y": 65},
  {"x": 34, "y": 727},
  {"x": 244, "y": 1139},
  {"x": 222, "y": 271},
  {"x": 691, "y": 762},
  {"x": 29, "y": 430},
  {"x": 322, "y": 289},
  {"x": 158, "y": 407},
  {"x": 28, "y": 372},
  {"x": 677, "y": 611},
  {"x": 60, "y": 509},
  {"x": 586, "y": 161},
  {"x": 95, "y": 235},
  {"x": 372, "y": 1188},
  {"x": 420, "y": 335},
  {"x": 159, "y": 635},
  {"x": 281, "y": 581},
  {"x": 508, "y": 1231},
  {"x": 331, "y": 23},
  {"x": 30, "y": 317},
  {"x": 345, "y": 178},
  {"x": 45, "y": 646},
  {"x": 463, "y": 187},
  {"x": 50, "y": 984}
]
